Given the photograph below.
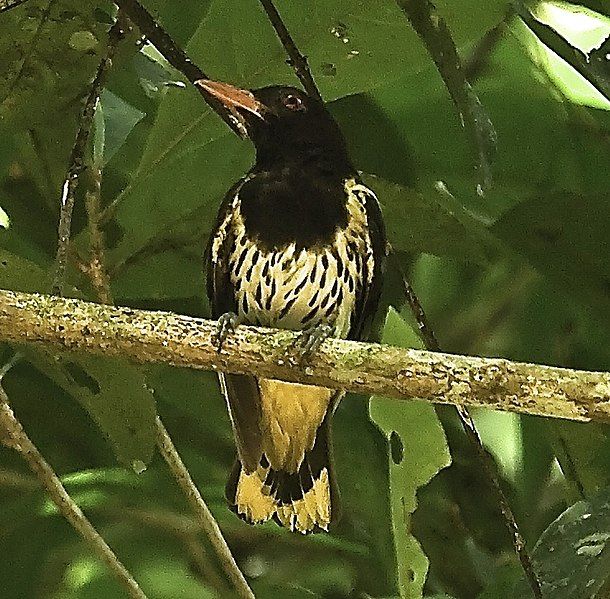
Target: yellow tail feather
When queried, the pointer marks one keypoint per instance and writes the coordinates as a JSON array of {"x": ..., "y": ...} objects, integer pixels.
[{"x": 257, "y": 502}]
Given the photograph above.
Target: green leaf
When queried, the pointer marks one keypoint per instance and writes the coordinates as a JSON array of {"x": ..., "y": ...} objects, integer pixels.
[
  {"x": 573, "y": 553},
  {"x": 164, "y": 275},
  {"x": 351, "y": 46},
  {"x": 418, "y": 451},
  {"x": 562, "y": 234},
  {"x": 192, "y": 177},
  {"x": 5, "y": 221},
  {"x": 112, "y": 391},
  {"x": 180, "y": 20},
  {"x": 433, "y": 224},
  {"x": 360, "y": 457},
  {"x": 38, "y": 41},
  {"x": 191, "y": 159},
  {"x": 437, "y": 37},
  {"x": 583, "y": 452},
  {"x": 595, "y": 71},
  {"x": 119, "y": 118},
  {"x": 20, "y": 274},
  {"x": 115, "y": 395}
]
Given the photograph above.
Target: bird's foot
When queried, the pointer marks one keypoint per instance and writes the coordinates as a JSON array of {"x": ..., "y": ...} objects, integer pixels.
[
  {"x": 226, "y": 325},
  {"x": 311, "y": 339}
]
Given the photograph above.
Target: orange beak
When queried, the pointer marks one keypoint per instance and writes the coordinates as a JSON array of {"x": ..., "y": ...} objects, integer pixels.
[{"x": 233, "y": 98}]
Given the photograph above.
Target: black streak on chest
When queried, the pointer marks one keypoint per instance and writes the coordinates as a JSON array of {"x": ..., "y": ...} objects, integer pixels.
[{"x": 292, "y": 206}]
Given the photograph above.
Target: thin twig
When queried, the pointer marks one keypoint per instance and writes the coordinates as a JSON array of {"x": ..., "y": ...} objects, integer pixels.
[
  {"x": 435, "y": 35},
  {"x": 509, "y": 518},
  {"x": 427, "y": 334},
  {"x": 431, "y": 343},
  {"x": 77, "y": 163},
  {"x": 162, "y": 337},
  {"x": 185, "y": 530},
  {"x": 19, "y": 441},
  {"x": 478, "y": 60},
  {"x": 201, "y": 510},
  {"x": 96, "y": 269},
  {"x": 296, "y": 59},
  {"x": 101, "y": 282},
  {"x": 175, "y": 55}
]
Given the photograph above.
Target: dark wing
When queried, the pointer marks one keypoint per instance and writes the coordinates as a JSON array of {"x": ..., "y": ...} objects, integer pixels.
[
  {"x": 240, "y": 391},
  {"x": 367, "y": 296},
  {"x": 220, "y": 292}
]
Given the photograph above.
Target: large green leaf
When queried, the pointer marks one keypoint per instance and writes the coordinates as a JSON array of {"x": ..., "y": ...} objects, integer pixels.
[
  {"x": 193, "y": 173},
  {"x": 164, "y": 275},
  {"x": 418, "y": 451},
  {"x": 49, "y": 52},
  {"x": 432, "y": 224},
  {"x": 20, "y": 274},
  {"x": 118, "y": 119},
  {"x": 113, "y": 392},
  {"x": 563, "y": 235},
  {"x": 573, "y": 553},
  {"x": 360, "y": 457},
  {"x": 583, "y": 452},
  {"x": 115, "y": 395}
]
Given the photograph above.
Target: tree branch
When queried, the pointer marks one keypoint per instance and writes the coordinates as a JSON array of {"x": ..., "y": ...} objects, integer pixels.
[
  {"x": 17, "y": 439},
  {"x": 175, "y": 55},
  {"x": 435, "y": 35},
  {"x": 77, "y": 161},
  {"x": 296, "y": 59},
  {"x": 201, "y": 511},
  {"x": 162, "y": 337}
]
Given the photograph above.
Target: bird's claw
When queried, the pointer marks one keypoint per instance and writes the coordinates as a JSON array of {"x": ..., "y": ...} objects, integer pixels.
[
  {"x": 311, "y": 339},
  {"x": 226, "y": 325}
]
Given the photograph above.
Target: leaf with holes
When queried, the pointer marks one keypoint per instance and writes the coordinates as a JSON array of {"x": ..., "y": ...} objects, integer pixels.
[
  {"x": 417, "y": 452},
  {"x": 114, "y": 393}
]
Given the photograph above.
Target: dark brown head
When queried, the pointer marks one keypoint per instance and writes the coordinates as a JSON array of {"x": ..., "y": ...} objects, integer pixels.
[{"x": 285, "y": 124}]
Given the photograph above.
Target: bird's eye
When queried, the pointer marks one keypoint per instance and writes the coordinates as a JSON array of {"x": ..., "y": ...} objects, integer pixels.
[{"x": 293, "y": 102}]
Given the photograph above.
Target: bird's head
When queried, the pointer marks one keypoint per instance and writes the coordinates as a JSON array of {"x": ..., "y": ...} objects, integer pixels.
[{"x": 284, "y": 123}]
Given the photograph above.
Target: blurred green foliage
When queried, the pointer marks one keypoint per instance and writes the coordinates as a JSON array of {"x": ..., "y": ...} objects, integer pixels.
[{"x": 523, "y": 272}]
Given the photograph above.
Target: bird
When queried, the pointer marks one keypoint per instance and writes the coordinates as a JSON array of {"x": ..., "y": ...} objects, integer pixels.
[{"x": 299, "y": 243}]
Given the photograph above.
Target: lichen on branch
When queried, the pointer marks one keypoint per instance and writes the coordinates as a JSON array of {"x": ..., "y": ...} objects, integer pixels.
[{"x": 162, "y": 337}]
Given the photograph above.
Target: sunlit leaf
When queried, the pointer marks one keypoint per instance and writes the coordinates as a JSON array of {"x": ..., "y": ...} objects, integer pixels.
[
  {"x": 5, "y": 221},
  {"x": 417, "y": 452}
]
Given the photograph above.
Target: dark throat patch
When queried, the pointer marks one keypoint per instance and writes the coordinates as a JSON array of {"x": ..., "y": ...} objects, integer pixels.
[{"x": 293, "y": 206}]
